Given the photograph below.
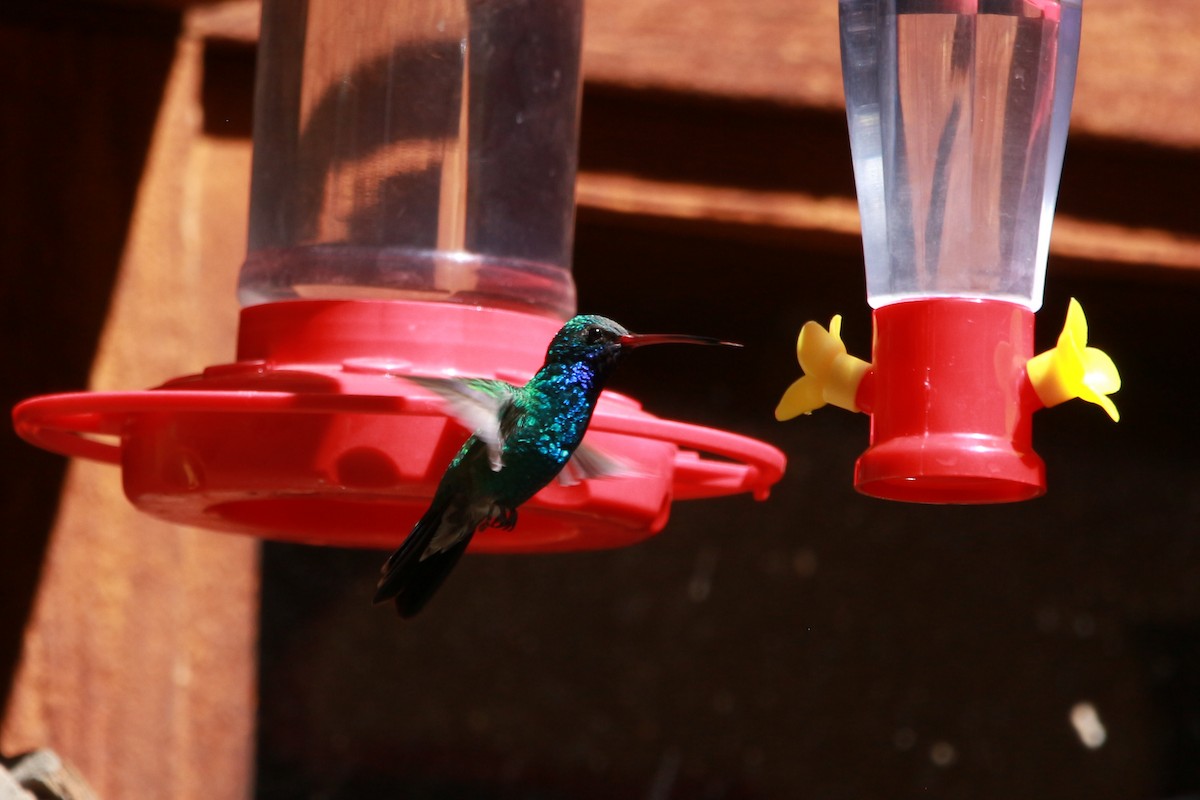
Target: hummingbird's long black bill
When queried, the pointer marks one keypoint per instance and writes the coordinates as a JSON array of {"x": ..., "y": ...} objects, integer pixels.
[{"x": 632, "y": 340}]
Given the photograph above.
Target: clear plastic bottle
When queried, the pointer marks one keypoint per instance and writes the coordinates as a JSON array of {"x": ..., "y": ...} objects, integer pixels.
[
  {"x": 416, "y": 149},
  {"x": 958, "y": 113}
]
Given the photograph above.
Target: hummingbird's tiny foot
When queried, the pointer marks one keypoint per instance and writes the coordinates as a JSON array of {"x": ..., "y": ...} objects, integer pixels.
[{"x": 505, "y": 518}]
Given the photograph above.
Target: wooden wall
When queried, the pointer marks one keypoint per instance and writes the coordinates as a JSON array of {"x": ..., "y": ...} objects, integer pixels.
[{"x": 128, "y": 644}]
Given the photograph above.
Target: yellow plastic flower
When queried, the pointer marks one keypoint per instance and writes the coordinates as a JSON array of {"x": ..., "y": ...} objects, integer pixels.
[
  {"x": 1072, "y": 369},
  {"x": 830, "y": 374}
]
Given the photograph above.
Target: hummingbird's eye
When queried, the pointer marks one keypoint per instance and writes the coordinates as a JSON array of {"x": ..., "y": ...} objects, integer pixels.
[{"x": 593, "y": 335}]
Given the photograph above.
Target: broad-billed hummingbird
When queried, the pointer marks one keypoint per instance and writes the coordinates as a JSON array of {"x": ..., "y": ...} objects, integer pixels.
[{"x": 523, "y": 438}]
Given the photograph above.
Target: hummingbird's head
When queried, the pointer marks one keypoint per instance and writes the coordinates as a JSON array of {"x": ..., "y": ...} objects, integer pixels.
[
  {"x": 598, "y": 341},
  {"x": 587, "y": 339}
]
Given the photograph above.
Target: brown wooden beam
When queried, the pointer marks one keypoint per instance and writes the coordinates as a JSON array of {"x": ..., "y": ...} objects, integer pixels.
[{"x": 137, "y": 665}]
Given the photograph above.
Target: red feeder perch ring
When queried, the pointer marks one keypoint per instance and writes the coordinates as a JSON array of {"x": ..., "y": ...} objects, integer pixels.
[{"x": 313, "y": 435}]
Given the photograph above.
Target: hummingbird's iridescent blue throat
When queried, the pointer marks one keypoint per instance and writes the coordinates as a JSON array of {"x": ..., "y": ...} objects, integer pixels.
[{"x": 524, "y": 437}]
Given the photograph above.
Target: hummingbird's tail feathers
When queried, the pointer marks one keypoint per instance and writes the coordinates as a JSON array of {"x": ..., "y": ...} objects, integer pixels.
[
  {"x": 427, "y": 579},
  {"x": 403, "y": 560},
  {"x": 413, "y": 572}
]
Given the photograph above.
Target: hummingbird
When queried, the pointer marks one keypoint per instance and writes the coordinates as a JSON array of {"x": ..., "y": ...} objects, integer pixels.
[{"x": 524, "y": 437}]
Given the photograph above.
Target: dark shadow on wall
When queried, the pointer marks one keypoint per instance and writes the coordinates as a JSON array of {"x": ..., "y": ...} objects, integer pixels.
[{"x": 82, "y": 88}]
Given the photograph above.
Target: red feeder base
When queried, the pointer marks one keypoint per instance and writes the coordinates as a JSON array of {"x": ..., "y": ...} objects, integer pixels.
[
  {"x": 951, "y": 407},
  {"x": 313, "y": 435}
]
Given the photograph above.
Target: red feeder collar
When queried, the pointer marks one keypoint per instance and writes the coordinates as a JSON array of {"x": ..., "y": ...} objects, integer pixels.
[
  {"x": 951, "y": 408},
  {"x": 313, "y": 436}
]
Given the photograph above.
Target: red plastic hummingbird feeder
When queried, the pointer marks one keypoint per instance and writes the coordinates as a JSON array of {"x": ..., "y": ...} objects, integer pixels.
[
  {"x": 411, "y": 214},
  {"x": 958, "y": 118}
]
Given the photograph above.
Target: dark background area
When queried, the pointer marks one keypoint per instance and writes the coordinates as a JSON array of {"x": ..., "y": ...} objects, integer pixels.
[{"x": 821, "y": 644}]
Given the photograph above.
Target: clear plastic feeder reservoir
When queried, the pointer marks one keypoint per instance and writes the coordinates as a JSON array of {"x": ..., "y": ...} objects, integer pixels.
[
  {"x": 958, "y": 113},
  {"x": 412, "y": 208},
  {"x": 416, "y": 150}
]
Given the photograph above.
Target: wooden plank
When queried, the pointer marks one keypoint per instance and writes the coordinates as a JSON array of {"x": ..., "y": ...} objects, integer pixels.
[
  {"x": 786, "y": 172},
  {"x": 785, "y": 51},
  {"x": 763, "y": 171},
  {"x": 1139, "y": 71},
  {"x": 70, "y": 178},
  {"x": 833, "y": 222},
  {"x": 138, "y": 663}
]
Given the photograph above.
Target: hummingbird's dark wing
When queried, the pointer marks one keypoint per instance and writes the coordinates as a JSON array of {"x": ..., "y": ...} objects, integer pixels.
[{"x": 478, "y": 404}]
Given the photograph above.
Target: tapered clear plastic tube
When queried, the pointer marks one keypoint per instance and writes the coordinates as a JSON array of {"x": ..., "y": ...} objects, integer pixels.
[
  {"x": 416, "y": 149},
  {"x": 958, "y": 113}
]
